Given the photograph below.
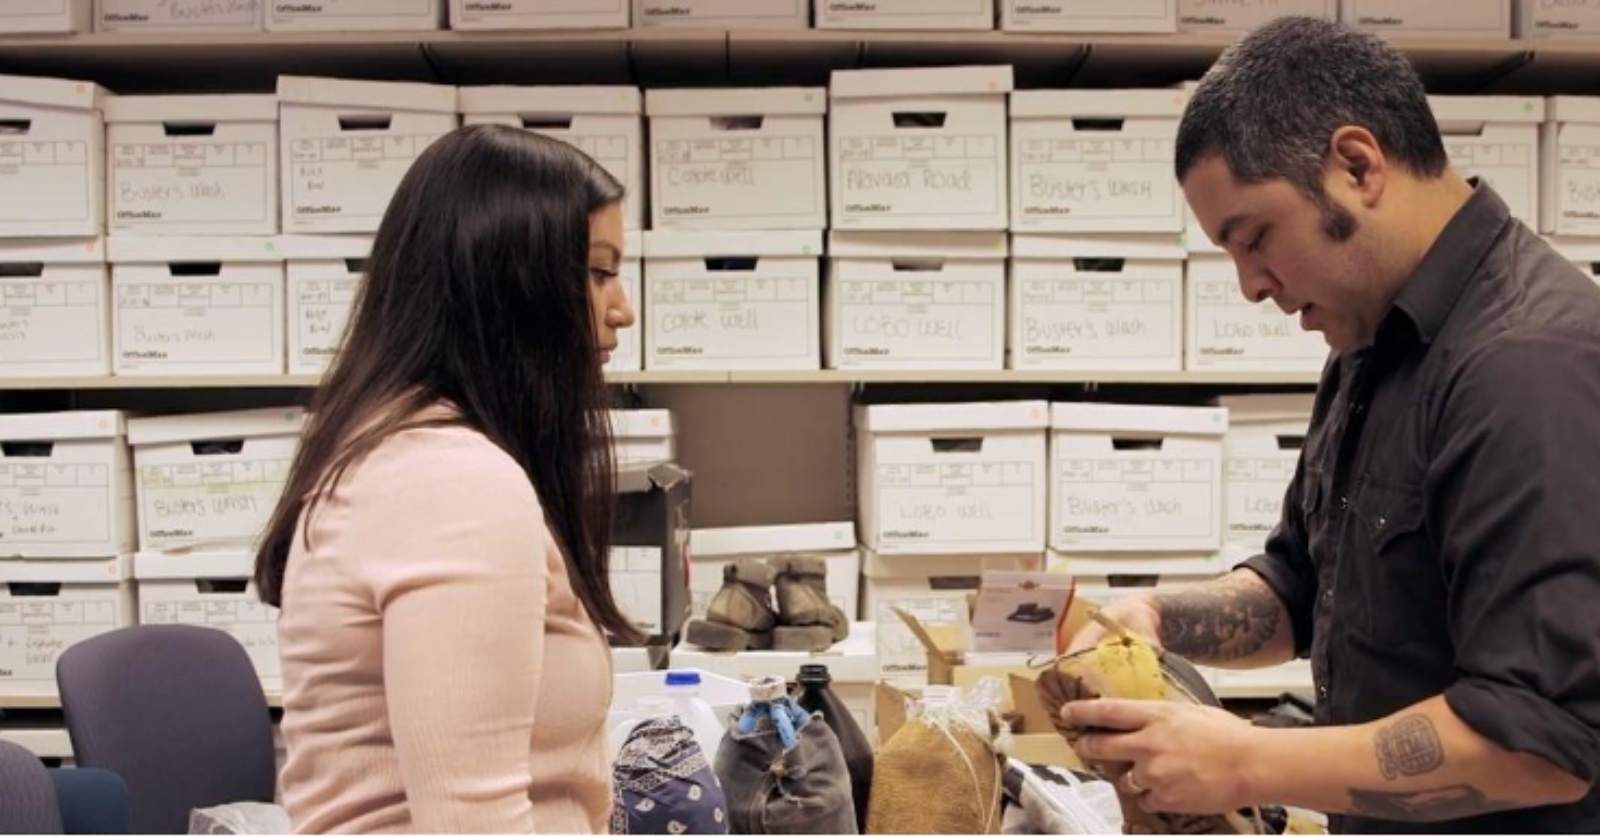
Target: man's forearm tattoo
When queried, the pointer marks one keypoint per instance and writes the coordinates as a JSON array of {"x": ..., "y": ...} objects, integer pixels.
[{"x": 1219, "y": 623}]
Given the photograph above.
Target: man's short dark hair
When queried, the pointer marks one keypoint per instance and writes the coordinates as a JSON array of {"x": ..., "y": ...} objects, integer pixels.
[{"x": 1271, "y": 103}]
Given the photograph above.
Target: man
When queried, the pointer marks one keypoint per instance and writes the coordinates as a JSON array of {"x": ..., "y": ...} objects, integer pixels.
[{"x": 1438, "y": 558}]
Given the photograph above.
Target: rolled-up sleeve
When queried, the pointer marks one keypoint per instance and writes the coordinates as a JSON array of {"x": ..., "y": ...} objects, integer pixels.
[{"x": 1513, "y": 482}]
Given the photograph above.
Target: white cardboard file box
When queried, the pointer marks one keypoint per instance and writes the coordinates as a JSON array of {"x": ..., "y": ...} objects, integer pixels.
[
  {"x": 940, "y": 479},
  {"x": 724, "y": 14},
  {"x": 538, "y": 14},
  {"x": 635, "y": 576},
  {"x": 1570, "y": 139},
  {"x": 852, "y": 663},
  {"x": 628, "y": 356},
  {"x": 66, "y": 490},
  {"x": 1121, "y": 564},
  {"x": 601, "y": 121},
  {"x": 1495, "y": 138},
  {"x": 919, "y": 149},
  {"x": 731, "y": 300},
  {"x": 178, "y": 16},
  {"x": 916, "y": 300},
  {"x": 1244, "y": 15},
  {"x": 1134, "y": 478},
  {"x": 641, "y": 436},
  {"x": 713, "y": 549},
  {"x": 1089, "y": 16},
  {"x": 1106, "y": 589},
  {"x": 1582, "y": 252},
  {"x": 905, "y": 14},
  {"x": 1262, "y": 448},
  {"x": 932, "y": 588},
  {"x": 1095, "y": 161},
  {"x": 196, "y": 305},
  {"x": 1420, "y": 18},
  {"x": 212, "y": 590},
  {"x": 346, "y": 144},
  {"x": 192, "y": 165},
  {"x": 52, "y": 157},
  {"x": 323, "y": 275},
  {"x": 1225, "y": 331},
  {"x": 47, "y": 607},
  {"x": 737, "y": 158},
  {"x": 54, "y": 307},
  {"x": 209, "y": 482},
  {"x": 1097, "y": 303},
  {"x": 354, "y": 15},
  {"x": 1557, "y": 19},
  {"x": 45, "y": 17}
]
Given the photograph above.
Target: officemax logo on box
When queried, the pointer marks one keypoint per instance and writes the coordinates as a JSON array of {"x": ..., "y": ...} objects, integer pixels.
[
  {"x": 1038, "y": 10},
  {"x": 325, "y": 209},
  {"x": 488, "y": 7},
  {"x": 669, "y": 11},
  {"x": 1388, "y": 20},
  {"x": 298, "y": 9},
  {"x": 852, "y": 7},
  {"x": 126, "y": 17},
  {"x": 172, "y": 533},
  {"x": 686, "y": 210},
  {"x": 138, "y": 215},
  {"x": 906, "y": 534}
]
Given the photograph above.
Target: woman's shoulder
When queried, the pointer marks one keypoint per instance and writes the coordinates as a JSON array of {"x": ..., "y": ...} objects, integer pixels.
[{"x": 447, "y": 458}]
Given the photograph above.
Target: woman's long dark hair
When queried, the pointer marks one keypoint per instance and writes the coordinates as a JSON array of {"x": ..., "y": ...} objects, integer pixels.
[{"x": 477, "y": 293}]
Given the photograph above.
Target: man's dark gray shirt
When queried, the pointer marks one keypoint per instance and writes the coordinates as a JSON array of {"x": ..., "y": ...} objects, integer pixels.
[{"x": 1442, "y": 532}]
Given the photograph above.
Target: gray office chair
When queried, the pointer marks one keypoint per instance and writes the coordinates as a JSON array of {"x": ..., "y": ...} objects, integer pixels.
[
  {"x": 27, "y": 796},
  {"x": 177, "y": 712}
]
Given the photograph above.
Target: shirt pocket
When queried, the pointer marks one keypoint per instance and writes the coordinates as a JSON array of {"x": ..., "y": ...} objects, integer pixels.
[{"x": 1387, "y": 549}]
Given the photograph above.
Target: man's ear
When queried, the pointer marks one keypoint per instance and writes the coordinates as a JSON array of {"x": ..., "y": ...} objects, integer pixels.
[{"x": 1356, "y": 164}]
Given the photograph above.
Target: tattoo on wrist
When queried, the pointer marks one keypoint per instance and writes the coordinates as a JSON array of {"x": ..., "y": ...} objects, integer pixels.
[
  {"x": 1220, "y": 623},
  {"x": 1408, "y": 747},
  {"x": 1447, "y": 803}
]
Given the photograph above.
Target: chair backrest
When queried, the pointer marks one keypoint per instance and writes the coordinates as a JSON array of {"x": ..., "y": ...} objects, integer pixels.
[
  {"x": 177, "y": 711},
  {"x": 93, "y": 801},
  {"x": 27, "y": 797}
]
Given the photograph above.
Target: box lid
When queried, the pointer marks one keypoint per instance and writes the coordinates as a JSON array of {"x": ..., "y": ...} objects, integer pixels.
[
  {"x": 46, "y": 427},
  {"x": 130, "y": 249},
  {"x": 1098, "y": 246},
  {"x": 925, "y": 81},
  {"x": 68, "y": 570},
  {"x": 1253, "y": 409},
  {"x": 761, "y": 540},
  {"x": 53, "y": 250},
  {"x": 964, "y": 244},
  {"x": 1573, "y": 248},
  {"x": 1573, "y": 109},
  {"x": 156, "y": 566},
  {"x": 551, "y": 99},
  {"x": 641, "y": 424},
  {"x": 51, "y": 92},
  {"x": 698, "y": 243},
  {"x": 236, "y": 424},
  {"x": 736, "y": 101},
  {"x": 1139, "y": 418},
  {"x": 1106, "y": 104},
  {"x": 1477, "y": 109},
  {"x": 367, "y": 95},
  {"x": 235, "y": 107},
  {"x": 325, "y": 246},
  {"x": 971, "y": 416}
]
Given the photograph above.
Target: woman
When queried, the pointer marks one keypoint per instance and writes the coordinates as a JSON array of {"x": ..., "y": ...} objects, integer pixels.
[{"x": 439, "y": 553}]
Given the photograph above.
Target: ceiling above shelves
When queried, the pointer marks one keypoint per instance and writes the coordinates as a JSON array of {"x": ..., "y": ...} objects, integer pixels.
[{"x": 130, "y": 62}]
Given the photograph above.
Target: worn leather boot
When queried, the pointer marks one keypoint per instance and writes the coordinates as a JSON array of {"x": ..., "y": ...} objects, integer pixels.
[
  {"x": 740, "y": 615},
  {"x": 807, "y": 621}
]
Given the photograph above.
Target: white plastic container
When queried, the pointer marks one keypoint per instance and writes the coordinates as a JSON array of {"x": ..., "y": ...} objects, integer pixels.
[
  {"x": 54, "y": 307},
  {"x": 704, "y": 702}
]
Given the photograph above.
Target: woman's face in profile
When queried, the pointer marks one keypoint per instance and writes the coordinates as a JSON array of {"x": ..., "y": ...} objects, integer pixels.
[{"x": 608, "y": 300}]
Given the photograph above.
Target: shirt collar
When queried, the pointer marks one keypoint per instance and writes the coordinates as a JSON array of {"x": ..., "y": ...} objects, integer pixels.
[{"x": 1428, "y": 297}]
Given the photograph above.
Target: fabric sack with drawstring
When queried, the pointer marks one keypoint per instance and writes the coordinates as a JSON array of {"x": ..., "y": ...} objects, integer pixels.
[
  {"x": 783, "y": 771},
  {"x": 940, "y": 773}
]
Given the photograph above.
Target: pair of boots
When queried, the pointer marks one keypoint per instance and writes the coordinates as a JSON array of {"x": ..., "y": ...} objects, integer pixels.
[{"x": 741, "y": 616}]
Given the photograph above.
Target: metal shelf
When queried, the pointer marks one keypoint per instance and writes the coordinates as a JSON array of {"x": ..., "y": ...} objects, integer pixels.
[{"x": 674, "y": 377}]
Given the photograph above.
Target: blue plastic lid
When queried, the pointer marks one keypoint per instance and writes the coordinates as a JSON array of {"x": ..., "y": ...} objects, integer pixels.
[{"x": 683, "y": 678}]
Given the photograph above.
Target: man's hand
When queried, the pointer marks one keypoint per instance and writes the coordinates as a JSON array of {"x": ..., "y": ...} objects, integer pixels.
[
  {"x": 1138, "y": 614},
  {"x": 1182, "y": 758}
]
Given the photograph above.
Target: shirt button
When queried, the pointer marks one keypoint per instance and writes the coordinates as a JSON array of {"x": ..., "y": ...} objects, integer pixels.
[
  {"x": 1327, "y": 595},
  {"x": 1322, "y": 692},
  {"x": 1344, "y": 503}
]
